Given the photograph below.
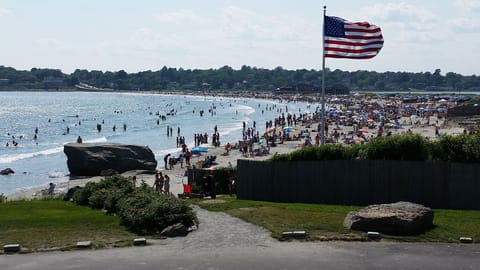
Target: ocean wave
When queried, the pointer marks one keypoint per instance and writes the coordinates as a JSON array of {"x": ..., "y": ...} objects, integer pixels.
[
  {"x": 12, "y": 158},
  {"x": 173, "y": 151},
  {"x": 97, "y": 140},
  {"x": 56, "y": 174},
  {"x": 245, "y": 109}
]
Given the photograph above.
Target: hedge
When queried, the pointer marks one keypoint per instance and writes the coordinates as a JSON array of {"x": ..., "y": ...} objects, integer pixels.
[{"x": 413, "y": 147}]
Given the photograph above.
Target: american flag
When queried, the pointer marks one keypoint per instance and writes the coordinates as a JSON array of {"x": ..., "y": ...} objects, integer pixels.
[{"x": 357, "y": 40}]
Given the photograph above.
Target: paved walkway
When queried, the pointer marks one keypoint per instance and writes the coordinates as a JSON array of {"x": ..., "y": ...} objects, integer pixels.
[{"x": 225, "y": 242}]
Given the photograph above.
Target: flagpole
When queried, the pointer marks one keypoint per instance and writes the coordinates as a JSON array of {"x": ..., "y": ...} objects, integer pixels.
[{"x": 322, "y": 131}]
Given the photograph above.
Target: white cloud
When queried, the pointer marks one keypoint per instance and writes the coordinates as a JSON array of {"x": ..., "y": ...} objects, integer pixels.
[
  {"x": 396, "y": 12},
  {"x": 5, "y": 12},
  {"x": 53, "y": 45},
  {"x": 245, "y": 25},
  {"x": 179, "y": 17},
  {"x": 144, "y": 45},
  {"x": 465, "y": 25},
  {"x": 470, "y": 5}
]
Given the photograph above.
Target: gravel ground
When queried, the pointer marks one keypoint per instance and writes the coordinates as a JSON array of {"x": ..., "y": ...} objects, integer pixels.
[{"x": 220, "y": 230}]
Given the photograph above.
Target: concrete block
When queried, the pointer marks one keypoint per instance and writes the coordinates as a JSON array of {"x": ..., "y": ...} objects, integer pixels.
[
  {"x": 84, "y": 244},
  {"x": 373, "y": 235},
  {"x": 11, "y": 248},
  {"x": 299, "y": 234},
  {"x": 466, "y": 240},
  {"x": 139, "y": 242}
]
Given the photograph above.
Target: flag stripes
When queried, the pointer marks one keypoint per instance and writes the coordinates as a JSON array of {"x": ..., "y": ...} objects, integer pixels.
[{"x": 355, "y": 40}]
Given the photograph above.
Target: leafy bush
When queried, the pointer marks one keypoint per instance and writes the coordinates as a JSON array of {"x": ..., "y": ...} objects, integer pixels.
[
  {"x": 472, "y": 149},
  {"x": 141, "y": 210},
  {"x": 147, "y": 212},
  {"x": 461, "y": 148},
  {"x": 404, "y": 147},
  {"x": 97, "y": 198},
  {"x": 82, "y": 195},
  {"x": 104, "y": 194},
  {"x": 324, "y": 152},
  {"x": 355, "y": 151},
  {"x": 331, "y": 152}
]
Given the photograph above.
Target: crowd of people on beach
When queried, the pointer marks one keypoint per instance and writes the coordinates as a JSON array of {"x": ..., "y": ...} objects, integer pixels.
[{"x": 348, "y": 119}]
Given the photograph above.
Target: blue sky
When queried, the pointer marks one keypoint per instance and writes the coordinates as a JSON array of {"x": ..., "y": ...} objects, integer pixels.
[{"x": 143, "y": 35}]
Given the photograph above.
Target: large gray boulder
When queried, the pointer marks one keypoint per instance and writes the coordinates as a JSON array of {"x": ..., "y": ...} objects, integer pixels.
[
  {"x": 90, "y": 159},
  {"x": 400, "y": 218}
]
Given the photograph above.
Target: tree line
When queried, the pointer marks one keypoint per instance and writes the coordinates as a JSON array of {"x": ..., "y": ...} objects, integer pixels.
[{"x": 245, "y": 78}]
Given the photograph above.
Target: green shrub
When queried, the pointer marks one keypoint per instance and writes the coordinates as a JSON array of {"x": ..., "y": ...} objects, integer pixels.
[
  {"x": 147, "y": 212},
  {"x": 324, "y": 152},
  {"x": 304, "y": 153},
  {"x": 472, "y": 149},
  {"x": 331, "y": 152},
  {"x": 403, "y": 147},
  {"x": 460, "y": 148},
  {"x": 354, "y": 151},
  {"x": 97, "y": 198},
  {"x": 82, "y": 195},
  {"x": 141, "y": 210},
  {"x": 450, "y": 148},
  {"x": 104, "y": 194}
]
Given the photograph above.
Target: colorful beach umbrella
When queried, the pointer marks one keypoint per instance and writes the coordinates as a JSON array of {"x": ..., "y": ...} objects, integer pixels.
[
  {"x": 199, "y": 149},
  {"x": 289, "y": 129}
]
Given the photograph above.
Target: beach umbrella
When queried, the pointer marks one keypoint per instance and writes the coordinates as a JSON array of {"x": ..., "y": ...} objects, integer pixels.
[
  {"x": 199, "y": 149},
  {"x": 289, "y": 129},
  {"x": 206, "y": 145}
]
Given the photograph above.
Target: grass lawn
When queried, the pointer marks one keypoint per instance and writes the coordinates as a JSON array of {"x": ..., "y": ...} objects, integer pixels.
[
  {"x": 40, "y": 225},
  {"x": 325, "y": 222}
]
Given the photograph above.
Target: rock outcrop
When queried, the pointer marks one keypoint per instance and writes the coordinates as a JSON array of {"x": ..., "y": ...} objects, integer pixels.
[
  {"x": 6, "y": 171},
  {"x": 400, "y": 218},
  {"x": 175, "y": 230},
  {"x": 90, "y": 159}
]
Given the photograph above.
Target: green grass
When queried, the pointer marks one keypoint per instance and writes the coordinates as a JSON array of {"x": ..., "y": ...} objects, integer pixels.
[
  {"x": 325, "y": 222},
  {"x": 40, "y": 225}
]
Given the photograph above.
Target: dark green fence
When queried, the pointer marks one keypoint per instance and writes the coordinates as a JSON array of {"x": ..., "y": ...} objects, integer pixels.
[{"x": 361, "y": 182}]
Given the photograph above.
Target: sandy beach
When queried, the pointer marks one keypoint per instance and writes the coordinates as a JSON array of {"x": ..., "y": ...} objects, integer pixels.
[
  {"x": 426, "y": 126},
  {"x": 177, "y": 178}
]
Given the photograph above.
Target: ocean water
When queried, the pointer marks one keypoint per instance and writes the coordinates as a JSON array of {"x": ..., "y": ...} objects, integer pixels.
[{"x": 37, "y": 162}]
